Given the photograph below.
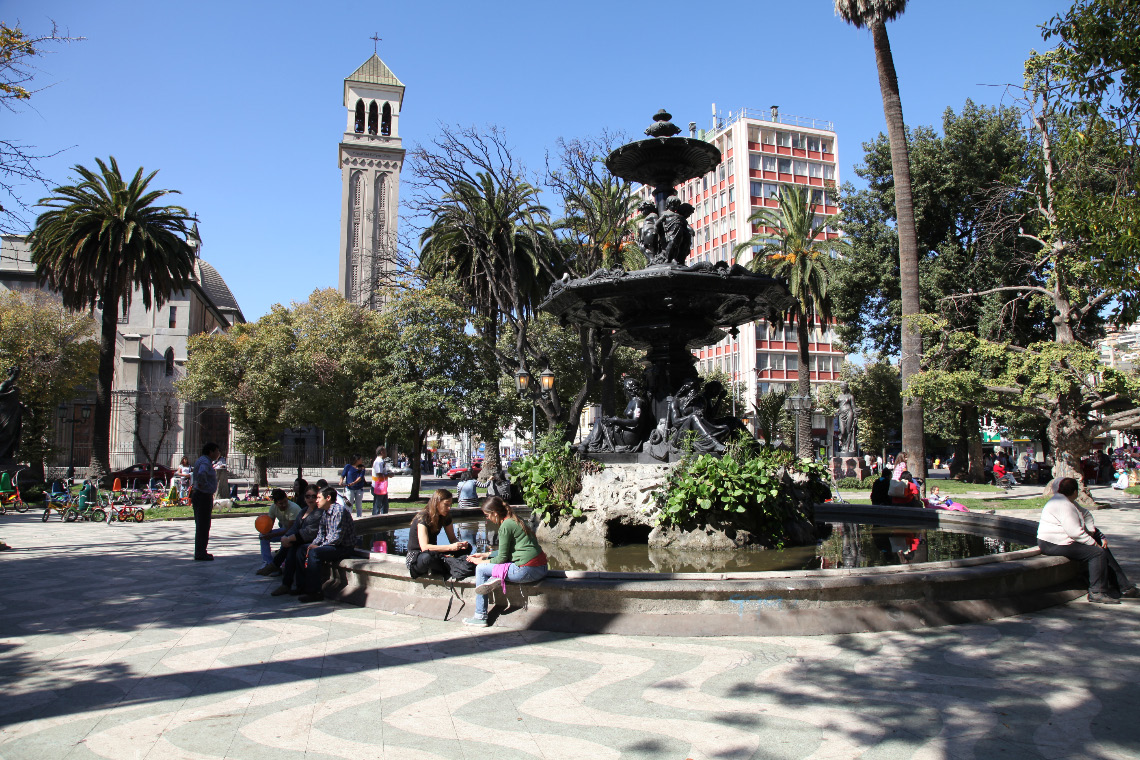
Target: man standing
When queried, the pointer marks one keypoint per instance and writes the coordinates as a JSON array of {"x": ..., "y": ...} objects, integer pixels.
[
  {"x": 352, "y": 477},
  {"x": 335, "y": 540},
  {"x": 202, "y": 499}
]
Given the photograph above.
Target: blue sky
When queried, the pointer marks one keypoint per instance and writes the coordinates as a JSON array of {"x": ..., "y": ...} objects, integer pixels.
[{"x": 238, "y": 104}]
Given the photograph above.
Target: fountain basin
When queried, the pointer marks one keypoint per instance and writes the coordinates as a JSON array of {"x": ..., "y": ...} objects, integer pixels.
[{"x": 804, "y": 602}]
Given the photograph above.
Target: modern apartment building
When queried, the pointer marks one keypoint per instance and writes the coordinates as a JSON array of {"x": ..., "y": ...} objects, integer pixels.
[{"x": 760, "y": 151}]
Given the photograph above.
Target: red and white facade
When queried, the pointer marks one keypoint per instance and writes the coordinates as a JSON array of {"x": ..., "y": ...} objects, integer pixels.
[{"x": 759, "y": 152}]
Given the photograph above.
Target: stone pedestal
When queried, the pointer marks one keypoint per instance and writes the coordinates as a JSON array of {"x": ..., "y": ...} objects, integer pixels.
[{"x": 849, "y": 467}]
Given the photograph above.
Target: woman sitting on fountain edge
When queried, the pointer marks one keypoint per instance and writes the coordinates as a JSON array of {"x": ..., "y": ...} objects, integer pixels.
[{"x": 519, "y": 558}]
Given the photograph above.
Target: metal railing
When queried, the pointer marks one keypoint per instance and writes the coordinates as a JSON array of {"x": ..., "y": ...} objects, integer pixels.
[{"x": 731, "y": 117}]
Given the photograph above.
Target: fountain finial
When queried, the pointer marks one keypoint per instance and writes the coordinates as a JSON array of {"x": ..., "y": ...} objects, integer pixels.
[{"x": 661, "y": 126}]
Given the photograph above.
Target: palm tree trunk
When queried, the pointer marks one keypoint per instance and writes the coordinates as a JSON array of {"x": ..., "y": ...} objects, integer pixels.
[
  {"x": 100, "y": 465},
  {"x": 909, "y": 363},
  {"x": 803, "y": 382}
]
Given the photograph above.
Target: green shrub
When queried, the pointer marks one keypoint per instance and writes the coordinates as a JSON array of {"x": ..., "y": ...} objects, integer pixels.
[
  {"x": 855, "y": 484},
  {"x": 744, "y": 482},
  {"x": 549, "y": 479}
]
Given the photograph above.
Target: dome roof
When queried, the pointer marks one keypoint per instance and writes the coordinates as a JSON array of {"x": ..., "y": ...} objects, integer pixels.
[{"x": 217, "y": 290}]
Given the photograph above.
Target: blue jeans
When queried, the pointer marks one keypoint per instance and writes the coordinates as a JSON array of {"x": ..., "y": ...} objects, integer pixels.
[
  {"x": 266, "y": 552},
  {"x": 380, "y": 504},
  {"x": 515, "y": 574}
]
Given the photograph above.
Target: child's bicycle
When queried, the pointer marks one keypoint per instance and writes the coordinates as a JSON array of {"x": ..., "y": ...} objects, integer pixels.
[
  {"x": 124, "y": 513},
  {"x": 59, "y": 499},
  {"x": 10, "y": 498},
  {"x": 88, "y": 506}
]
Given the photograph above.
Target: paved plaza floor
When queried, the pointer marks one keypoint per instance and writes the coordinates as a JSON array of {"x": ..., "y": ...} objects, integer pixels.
[{"x": 114, "y": 644}]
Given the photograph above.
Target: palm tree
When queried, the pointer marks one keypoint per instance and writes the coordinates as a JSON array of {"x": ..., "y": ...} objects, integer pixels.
[
  {"x": 800, "y": 252},
  {"x": 875, "y": 14},
  {"x": 102, "y": 240}
]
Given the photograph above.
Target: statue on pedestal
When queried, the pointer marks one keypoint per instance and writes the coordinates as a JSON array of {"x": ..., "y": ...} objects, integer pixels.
[
  {"x": 622, "y": 434},
  {"x": 847, "y": 414}
]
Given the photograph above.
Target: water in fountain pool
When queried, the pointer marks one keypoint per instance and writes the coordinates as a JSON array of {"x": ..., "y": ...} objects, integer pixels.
[{"x": 848, "y": 546}]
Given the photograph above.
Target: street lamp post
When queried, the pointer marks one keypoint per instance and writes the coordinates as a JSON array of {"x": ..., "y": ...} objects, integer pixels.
[
  {"x": 85, "y": 411},
  {"x": 524, "y": 387}
]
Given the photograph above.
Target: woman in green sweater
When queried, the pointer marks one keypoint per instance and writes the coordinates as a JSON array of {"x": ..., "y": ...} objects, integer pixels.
[{"x": 519, "y": 558}]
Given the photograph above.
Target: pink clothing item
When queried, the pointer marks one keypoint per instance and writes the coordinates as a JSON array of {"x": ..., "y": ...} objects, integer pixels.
[{"x": 500, "y": 571}]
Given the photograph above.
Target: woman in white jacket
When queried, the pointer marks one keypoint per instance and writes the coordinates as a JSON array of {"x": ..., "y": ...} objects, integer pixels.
[{"x": 1068, "y": 530}]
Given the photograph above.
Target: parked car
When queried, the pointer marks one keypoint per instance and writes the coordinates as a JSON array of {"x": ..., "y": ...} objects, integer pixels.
[
  {"x": 456, "y": 472},
  {"x": 138, "y": 475}
]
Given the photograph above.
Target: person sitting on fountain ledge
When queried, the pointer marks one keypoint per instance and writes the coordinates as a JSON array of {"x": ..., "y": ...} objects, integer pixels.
[
  {"x": 335, "y": 540},
  {"x": 519, "y": 558},
  {"x": 1067, "y": 529},
  {"x": 424, "y": 556}
]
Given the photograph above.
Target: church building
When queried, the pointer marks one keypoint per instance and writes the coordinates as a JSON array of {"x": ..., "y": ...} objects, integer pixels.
[{"x": 370, "y": 158}]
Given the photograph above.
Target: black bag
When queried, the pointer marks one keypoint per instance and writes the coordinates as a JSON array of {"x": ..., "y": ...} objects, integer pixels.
[{"x": 459, "y": 568}]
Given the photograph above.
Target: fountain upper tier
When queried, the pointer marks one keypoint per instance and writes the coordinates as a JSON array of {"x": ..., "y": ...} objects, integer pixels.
[{"x": 664, "y": 160}]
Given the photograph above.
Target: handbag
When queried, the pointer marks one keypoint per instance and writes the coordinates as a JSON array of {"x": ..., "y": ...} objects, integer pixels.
[
  {"x": 459, "y": 567},
  {"x": 897, "y": 488}
]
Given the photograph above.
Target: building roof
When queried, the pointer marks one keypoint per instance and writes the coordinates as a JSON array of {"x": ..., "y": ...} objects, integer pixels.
[
  {"x": 215, "y": 287},
  {"x": 374, "y": 71}
]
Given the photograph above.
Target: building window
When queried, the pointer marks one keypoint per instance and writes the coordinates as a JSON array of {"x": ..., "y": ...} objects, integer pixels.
[
  {"x": 761, "y": 361},
  {"x": 705, "y": 182},
  {"x": 828, "y": 171},
  {"x": 776, "y": 361},
  {"x": 720, "y": 173},
  {"x": 761, "y": 327},
  {"x": 732, "y": 221},
  {"x": 769, "y": 138},
  {"x": 785, "y": 165},
  {"x": 825, "y": 146},
  {"x": 732, "y": 195},
  {"x": 815, "y": 170},
  {"x": 789, "y": 333},
  {"x": 801, "y": 168},
  {"x": 174, "y": 316},
  {"x": 755, "y": 161},
  {"x": 769, "y": 163},
  {"x": 793, "y": 363},
  {"x": 784, "y": 139},
  {"x": 754, "y": 134},
  {"x": 386, "y": 120},
  {"x": 730, "y": 167},
  {"x": 358, "y": 124},
  {"x": 799, "y": 141},
  {"x": 811, "y": 363},
  {"x": 816, "y": 196},
  {"x": 813, "y": 142},
  {"x": 169, "y": 356},
  {"x": 771, "y": 190},
  {"x": 723, "y": 199},
  {"x": 373, "y": 118},
  {"x": 757, "y": 189}
]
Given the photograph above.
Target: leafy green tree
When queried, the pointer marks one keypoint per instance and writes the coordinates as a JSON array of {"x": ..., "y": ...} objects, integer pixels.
[
  {"x": 877, "y": 388},
  {"x": 103, "y": 242},
  {"x": 338, "y": 346},
  {"x": 57, "y": 356},
  {"x": 430, "y": 375},
  {"x": 254, "y": 369},
  {"x": 874, "y": 14},
  {"x": 797, "y": 249}
]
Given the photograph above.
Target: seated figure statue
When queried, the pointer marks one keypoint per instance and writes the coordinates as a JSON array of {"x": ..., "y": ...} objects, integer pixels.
[
  {"x": 694, "y": 416},
  {"x": 621, "y": 434}
]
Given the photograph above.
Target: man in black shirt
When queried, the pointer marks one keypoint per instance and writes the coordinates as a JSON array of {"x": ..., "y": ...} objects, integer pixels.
[{"x": 881, "y": 487}]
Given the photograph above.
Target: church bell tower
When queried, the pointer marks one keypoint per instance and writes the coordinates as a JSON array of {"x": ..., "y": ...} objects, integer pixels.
[{"x": 370, "y": 158}]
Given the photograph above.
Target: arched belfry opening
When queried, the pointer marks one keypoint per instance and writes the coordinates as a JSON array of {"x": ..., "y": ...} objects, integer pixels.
[
  {"x": 169, "y": 357},
  {"x": 359, "y": 116},
  {"x": 386, "y": 120},
  {"x": 373, "y": 117}
]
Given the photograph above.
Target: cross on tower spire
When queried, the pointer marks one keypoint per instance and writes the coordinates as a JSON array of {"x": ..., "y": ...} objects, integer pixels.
[{"x": 376, "y": 40}]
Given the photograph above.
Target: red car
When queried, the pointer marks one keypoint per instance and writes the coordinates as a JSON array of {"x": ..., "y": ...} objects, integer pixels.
[
  {"x": 456, "y": 472},
  {"x": 138, "y": 475}
]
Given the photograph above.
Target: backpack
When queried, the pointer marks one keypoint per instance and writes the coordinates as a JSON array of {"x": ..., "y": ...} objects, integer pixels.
[{"x": 459, "y": 568}]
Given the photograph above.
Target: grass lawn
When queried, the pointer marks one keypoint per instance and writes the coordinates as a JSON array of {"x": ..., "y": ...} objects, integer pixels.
[
  {"x": 956, "y": 486},
  {"x": 261, "y": 507},
  {"x": 978, "y": 505},
  {"x": 1134, "y": 490}
]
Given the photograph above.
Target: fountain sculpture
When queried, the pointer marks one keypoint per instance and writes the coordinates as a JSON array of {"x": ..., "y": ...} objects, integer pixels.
[{"x": 667, "y": 309}]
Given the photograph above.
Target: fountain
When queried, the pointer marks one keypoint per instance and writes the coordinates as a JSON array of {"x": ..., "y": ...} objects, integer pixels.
[{"x": 668, "y": 309}]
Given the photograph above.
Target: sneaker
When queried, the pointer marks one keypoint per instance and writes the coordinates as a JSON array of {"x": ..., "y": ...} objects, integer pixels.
[
  {"x": 1130, "y": 593},
  {"x": 487, "y": 586},
  {"x": 476, "y": 621},
  {"x": 265, "y": 570},
  {"x": 307, "y": 598},
  {"x": 1096, "y": 598},
  {"x": 281, "y": 590}
]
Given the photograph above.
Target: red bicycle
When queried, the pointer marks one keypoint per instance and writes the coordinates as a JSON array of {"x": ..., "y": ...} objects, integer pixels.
[{"x": 124, "y": 513}]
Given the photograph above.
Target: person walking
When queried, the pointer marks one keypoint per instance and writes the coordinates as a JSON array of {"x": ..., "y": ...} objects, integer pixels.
[
  {"x": 380, "y": 474},
  {"x": 1067, "y": 529},
  {"x": 352, "y": 477},
  {"x": 202, "y": 499},
  {"x": 185, "y": 471}
]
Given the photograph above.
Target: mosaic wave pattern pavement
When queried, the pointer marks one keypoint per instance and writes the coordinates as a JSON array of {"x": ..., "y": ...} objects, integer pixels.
[{"x": 113, "y": 644}]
